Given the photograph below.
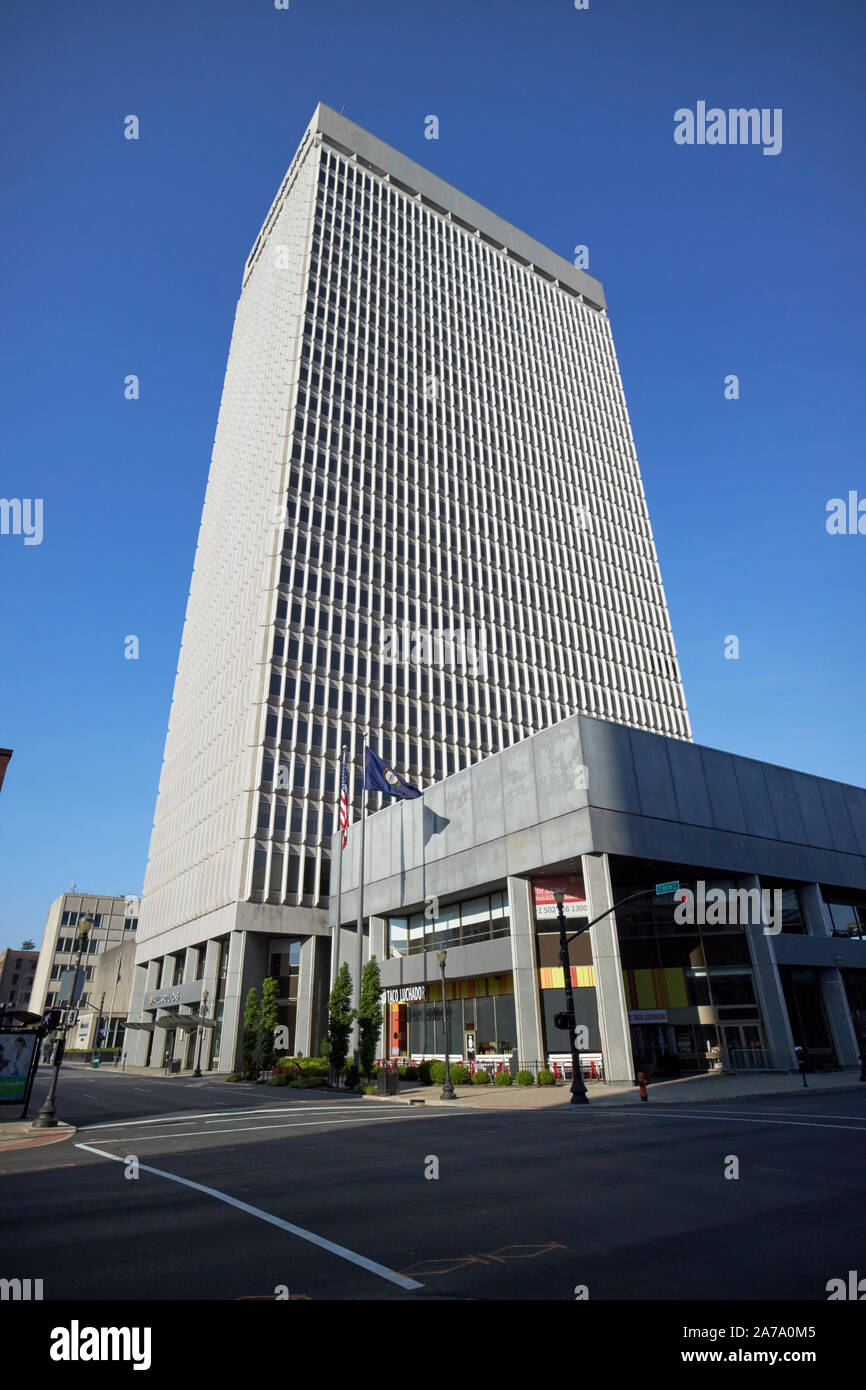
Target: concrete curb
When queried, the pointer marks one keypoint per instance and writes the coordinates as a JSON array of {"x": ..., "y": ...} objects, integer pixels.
[{"x": 28, "y": 1138}]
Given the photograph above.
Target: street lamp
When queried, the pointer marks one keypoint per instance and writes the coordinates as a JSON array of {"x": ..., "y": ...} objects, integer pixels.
[
  {"x": 448, "y": 1092},
  {"x": 47, "y": 1117},
  {"x": 201, "y": 1013},
  {"x": 578, "y": 1085}
]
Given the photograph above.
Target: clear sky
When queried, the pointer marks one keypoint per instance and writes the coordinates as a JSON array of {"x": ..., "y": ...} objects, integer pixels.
[{"x": 124, "y": 257}]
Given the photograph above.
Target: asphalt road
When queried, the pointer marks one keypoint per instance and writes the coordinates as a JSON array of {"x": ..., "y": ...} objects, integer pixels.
[{"x": 259, "y": 1188}]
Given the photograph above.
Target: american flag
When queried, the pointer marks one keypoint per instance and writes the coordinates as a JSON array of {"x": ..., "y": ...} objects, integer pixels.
[{"x": 344, "y": 801}]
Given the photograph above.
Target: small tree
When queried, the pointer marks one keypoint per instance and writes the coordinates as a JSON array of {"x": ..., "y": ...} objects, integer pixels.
[
  {"x": 268, "y": 1021},
  {"x": 251, "y": 1032},
  {"x": 28, "y": 945},
  {"x": 369, "y": 1015},
  {"x": 341, "y": 1016}
]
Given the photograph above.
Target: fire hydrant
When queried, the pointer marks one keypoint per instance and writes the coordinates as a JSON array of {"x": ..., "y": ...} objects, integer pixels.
[{"x": 641, "y": 1081}]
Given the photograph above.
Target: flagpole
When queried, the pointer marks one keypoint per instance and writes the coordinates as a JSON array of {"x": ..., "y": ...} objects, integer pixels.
[
  {"x": 359, "y": 944},
  {"x": 335, "y": 938},
  {"x": 113, "y": 997}
]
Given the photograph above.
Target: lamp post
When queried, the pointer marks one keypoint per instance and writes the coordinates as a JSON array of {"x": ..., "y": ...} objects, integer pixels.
[
  {"x": 448, "y": 1092},
  {"x": 202, "y": 1013},
  {"x": 47, "y": 1117},
  {"x": 578, "y": 1085}
]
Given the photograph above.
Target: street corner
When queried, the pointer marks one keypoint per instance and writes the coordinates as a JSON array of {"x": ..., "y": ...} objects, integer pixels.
[{"x": 23, "y": 1135}]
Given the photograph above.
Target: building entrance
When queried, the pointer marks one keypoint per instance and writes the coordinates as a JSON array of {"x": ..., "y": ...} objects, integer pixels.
[{"x": 743, "y": 1045}]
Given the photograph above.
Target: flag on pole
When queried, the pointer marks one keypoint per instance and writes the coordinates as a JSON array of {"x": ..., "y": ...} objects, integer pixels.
[
  {"x": 379, "y": 777},
  {"x": 344, "y": 802}
]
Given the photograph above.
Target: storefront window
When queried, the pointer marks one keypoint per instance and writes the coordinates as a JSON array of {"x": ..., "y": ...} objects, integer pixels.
[
  {"x": 444, "y": 929},
  {"x": 416, "y": 933},
  {"x": 398, "y": 936},
  {"x": 847, "y": 918},
  {"x": 475, "y": 920},
  {"x": 464, "y": 923}
]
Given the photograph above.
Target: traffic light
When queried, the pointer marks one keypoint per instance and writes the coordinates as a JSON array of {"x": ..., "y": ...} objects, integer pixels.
[
  {"x": 563, "y": 1021},
  {"x": 52, "y": 1019}
]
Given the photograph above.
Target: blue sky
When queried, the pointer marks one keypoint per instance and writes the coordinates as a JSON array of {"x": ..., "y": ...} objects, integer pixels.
[{"x": 126, "y": 257}]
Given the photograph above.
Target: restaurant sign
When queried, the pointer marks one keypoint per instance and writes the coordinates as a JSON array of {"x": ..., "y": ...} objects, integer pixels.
[{"x": 405, "y": 994}]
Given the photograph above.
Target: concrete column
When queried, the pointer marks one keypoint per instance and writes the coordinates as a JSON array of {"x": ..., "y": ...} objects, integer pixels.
[
  {"x": 815, "y": 911},
  {"x": 210, "y": 981},
  {"x": 135, "y": 1041},
  {"x": 247, "y": 964},
  {"x": 376, "y": 945},
  {"x": 377, "y": 948},
  {"x": 321, "y": 992},
  {"x": 304, "y": 1010},
  {"x": 527, "y": 1005},
  {"x": 768, "y": 984},
  {"x": 838, "y": 1011},
  {"x": 161, "y": 966},
  {"x": 609, "y": 984},
  {"x": 187, "y": 976}
]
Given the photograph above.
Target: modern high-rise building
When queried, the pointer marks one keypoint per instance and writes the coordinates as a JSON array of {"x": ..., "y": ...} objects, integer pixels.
[{"x": 424, "y": 519}]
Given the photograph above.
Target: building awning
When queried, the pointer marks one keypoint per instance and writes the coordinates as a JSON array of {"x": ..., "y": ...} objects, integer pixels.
[
  {"x": 187, "y": 1022},
  {"x": 145, "y": 1027},
  {"x": 175, "y": 1020}
]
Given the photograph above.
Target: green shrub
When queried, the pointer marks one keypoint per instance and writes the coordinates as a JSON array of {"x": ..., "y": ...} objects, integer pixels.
[
  {"x": 546, "y": 1078},
  {"x": 234, "y": 1076},
  {"x": 424, "y": 1073},
  {"x": 408, "y": 1073},
  {"x": 481, "y": 1078},
  {"x": 371, "y": 1090},
  {"x": 525, "y": 1078},
  {"x": 502, "y": 1078},
  {"x": 437, "y": 1072},
  {"x": 460, "y": 1074},
  {"x": 279, "y": 1081}
]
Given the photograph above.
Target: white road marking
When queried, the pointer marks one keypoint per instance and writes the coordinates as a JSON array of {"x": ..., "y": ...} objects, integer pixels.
[
  {"x": 209, "y": 1114},
  {"x": 742, "y": 1119},
  {"x": 340, "y": 1250},
  {"x": 811, "y": 1113},
  {"x": 245, "y": 1129}
]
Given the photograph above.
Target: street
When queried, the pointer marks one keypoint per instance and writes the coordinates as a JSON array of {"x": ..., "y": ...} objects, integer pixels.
[{"x": 177, "y": 1189}]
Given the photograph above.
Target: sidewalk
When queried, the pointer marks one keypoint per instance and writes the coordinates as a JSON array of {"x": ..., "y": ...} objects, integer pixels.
[
  {"x": 683, "y": 1091},
  {"x": 20, "y": 1134},
  {"x": 710, "y": 1086}
]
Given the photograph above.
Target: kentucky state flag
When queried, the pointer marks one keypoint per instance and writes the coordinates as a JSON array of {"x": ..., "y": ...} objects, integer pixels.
[{"x": 379, "y": 777}]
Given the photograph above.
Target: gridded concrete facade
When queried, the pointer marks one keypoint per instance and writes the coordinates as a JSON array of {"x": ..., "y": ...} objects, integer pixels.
[
  {"x": 422, "y": 431},
  {"x": 115, "y": 921}
]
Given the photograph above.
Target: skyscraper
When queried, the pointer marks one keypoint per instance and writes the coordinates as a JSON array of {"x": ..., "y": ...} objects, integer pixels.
[{"x": 424, "y": 518}]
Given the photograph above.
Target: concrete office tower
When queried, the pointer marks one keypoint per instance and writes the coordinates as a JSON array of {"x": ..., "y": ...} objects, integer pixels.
[
  {"x": 115, "y": 920},
  {"x": 17, "y": 974},
  {"x": 424, "y": 517}
]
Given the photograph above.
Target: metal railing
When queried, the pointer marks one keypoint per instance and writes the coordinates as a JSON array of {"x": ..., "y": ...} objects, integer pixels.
[{"x": 751, "y": 1059}]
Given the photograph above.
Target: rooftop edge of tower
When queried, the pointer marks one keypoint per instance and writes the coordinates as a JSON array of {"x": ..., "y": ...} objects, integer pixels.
[{"x": 412, "y": 178}]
